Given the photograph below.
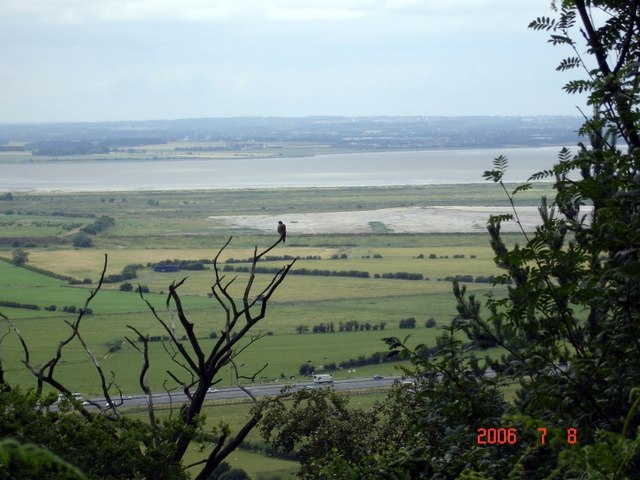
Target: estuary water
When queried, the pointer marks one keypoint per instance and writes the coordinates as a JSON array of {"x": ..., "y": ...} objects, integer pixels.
[{"x": 349, "y": 169}]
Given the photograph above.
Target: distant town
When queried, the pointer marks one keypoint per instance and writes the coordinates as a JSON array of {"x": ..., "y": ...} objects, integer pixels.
[{"x": 242, "y": 133}]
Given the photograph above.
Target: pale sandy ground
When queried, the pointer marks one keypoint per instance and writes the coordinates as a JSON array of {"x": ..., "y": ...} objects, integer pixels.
[{"x": 397, "y": 220}]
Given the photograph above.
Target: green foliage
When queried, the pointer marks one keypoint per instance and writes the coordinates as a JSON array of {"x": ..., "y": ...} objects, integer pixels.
[
  {"x": 569, "y": 323},
  {"x": 19, "y": 257},
  {"x": 82, "y": 240},
  {"x": 99, "y": 447},
  {"x": 39, "y": 460},
  {"x": 102, "y": 442},
  {"x": 234, "y": 474},
  {"x": 333, "y": 440},
  {"x": 100, "y": 225},
  {"x": 129, "y": 272},
  {"x": 452, "y": 400},
  {"x": 611, "y": 455}
]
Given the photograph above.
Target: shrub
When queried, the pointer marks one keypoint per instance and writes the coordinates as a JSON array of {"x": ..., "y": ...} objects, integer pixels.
[
  {"x": 305, "y": 369},
  {"x": 82, "y": 240},
  {"x": 408, "y": 322}
]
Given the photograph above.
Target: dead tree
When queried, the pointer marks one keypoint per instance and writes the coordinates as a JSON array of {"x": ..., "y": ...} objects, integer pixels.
[
  {"x": 240, "y": 318},
  {"x": 197, "y": 368}
]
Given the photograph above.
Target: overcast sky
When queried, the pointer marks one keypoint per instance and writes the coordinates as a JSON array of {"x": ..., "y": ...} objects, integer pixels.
[{"x": 94, "y": 60}]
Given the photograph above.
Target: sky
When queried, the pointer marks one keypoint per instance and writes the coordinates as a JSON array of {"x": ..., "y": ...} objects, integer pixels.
[{"x": 108, "y": 60}]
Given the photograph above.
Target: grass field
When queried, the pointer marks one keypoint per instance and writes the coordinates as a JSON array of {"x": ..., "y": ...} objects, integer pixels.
[
  {"x": 154, "y": 226},
  {"x": 184, "y": 150},
  {"x": 301, "y": 300}
]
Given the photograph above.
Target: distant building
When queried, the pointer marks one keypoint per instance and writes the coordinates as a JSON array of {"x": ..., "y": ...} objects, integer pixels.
[{"x": 166, "y": 268}]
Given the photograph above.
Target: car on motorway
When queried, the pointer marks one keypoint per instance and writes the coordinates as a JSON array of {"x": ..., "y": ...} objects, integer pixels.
[
  {"x": 323, "y": 378},
  {"x": 76, "y": 396},
  {"x": 378, "y": 377},
  {"x": 212, "y": 390}
]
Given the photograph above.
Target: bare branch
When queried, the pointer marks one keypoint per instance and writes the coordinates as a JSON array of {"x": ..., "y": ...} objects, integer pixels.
[
  {"x": 168, "y": 392},
  {"x": 221, "y": 451},
  {"x": 25, "y": 348},
  {"x": 45, "y": 374},
  {"x": 142, "y": 380},
  {"x": 103, "y": 382},
  {"x": 251, "y": 378},
  {"x": 171, "y": 333},
  {"x": 204, "y": 368},
  {"x": 188, "y": 326}
]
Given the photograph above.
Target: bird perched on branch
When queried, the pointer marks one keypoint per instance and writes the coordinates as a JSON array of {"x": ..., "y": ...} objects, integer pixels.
[{"x": 282, "y": 230}]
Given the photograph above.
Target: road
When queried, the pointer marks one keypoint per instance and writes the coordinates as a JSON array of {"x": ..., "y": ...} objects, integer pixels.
[{"x": 259, "y": 390}]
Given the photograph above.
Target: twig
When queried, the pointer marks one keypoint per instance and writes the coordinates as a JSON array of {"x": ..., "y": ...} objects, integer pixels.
[{"x": 142, "y": 379}]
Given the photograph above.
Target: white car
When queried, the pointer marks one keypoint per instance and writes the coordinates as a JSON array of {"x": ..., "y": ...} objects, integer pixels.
[
  {"x": 75, "y": 396},
  {"x": 212, "y": 390}
]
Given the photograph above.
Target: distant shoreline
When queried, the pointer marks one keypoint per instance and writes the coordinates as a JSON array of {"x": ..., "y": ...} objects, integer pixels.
[
  {"x": 381, "y": 168},
  {"x": 320, "y": 151}
]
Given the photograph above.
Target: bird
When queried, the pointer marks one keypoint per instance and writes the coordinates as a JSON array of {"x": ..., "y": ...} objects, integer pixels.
[{"x": 282, "y": 230}]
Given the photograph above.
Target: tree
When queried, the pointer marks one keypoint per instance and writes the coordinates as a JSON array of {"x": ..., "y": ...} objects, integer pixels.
[
  {"x": 571, "y": 321},
  {"x": 157, "y": 448},
  {"x": 576, "y": 293},
  {"x": 19, "y": 257},
  {"x": 99, "y": 447},
  {"x": 323, "y": 431},
  {"x": 408, "y": 322},
  {"x": 569, "y": 324},
  {"x": 425, "y": 426},
  {"x": 40, "y": 460},
  {"x": 101, "y": 224},
  {"x": 82, "y": 240}
]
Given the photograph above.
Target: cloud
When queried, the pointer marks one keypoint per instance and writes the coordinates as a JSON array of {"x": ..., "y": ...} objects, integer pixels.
[
  {"x": 314, "y": 14},
  {"x": 74, "y": 11},
  {"x": 116, "y": 59}
]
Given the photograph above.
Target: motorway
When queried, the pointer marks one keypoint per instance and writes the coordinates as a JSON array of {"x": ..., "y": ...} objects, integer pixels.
[{"x": 258, "y": 390}]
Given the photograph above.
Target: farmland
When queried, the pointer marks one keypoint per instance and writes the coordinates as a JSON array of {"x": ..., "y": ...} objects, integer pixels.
[{"x": 152, "y": 227}]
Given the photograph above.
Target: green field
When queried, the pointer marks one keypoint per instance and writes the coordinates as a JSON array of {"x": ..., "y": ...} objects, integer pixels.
[
  {"x": 183, "y": 150},
  {"x": 301, "y": 300},
  {"x": 155, "y": 226}
]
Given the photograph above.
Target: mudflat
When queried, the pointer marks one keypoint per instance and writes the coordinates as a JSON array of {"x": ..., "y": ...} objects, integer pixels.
[{"x": 423, "y": 219}]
